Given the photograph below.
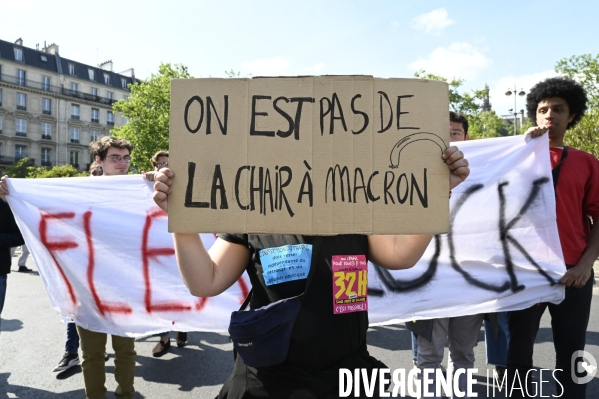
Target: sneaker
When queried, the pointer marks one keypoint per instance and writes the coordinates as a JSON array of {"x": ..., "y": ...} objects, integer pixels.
[
  {"x": 25, "y": 269},
  {"x": 68, "y": 360}
]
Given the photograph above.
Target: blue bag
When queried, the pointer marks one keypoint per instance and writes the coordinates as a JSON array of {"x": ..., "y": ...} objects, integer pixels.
[{"x": 261, "y": 336}]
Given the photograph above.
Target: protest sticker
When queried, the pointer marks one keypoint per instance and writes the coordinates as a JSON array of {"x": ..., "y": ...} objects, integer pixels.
[
  {"x": 286, "y": 263},
  {"x": 309, "y": 155},
  {"x": 350, "y": 283}
]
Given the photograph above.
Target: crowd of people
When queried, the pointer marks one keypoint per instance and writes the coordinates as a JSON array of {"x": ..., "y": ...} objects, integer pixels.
[{"x": 321, "y": 342}]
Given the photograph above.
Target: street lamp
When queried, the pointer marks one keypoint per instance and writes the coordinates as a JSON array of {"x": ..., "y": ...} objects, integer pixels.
[{"x": 508, "y": 93}]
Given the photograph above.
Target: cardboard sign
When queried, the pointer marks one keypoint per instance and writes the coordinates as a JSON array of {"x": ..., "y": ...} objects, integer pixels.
[{"x": 309, "y": 155}]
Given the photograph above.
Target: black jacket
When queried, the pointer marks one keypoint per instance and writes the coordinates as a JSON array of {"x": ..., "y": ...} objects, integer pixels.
[{"x": 10, "y": 236}]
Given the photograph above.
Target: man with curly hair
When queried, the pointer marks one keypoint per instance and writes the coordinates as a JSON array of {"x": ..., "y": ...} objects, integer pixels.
[
  {"x": 557, "y": 104},
  {"x": 113, "y": 155}
]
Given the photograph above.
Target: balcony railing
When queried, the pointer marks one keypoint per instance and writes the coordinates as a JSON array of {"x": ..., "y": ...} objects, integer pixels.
[
  {"x": 74, "y": 116},
  {"x": 22, "y": 107},
  {"x": 47, "y": 112},
  {"x": 95, "y": 120},
  {"x": 21, "y": 134},
  {"x": 46, "y": 137},
  {"x": 76, "y": 141},
  {"x": 54, "y": 89},
  {"x": 111, "y": 123},
  {"x": 47, "y": 163}
]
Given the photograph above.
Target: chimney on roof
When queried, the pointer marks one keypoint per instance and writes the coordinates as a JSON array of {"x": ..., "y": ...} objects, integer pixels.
[
  {"x": 51, "y": 49},
  {"x": 106, "y": 65},
  {"x": 19, "y": 42},
  {"x": 129, "y": 72}
]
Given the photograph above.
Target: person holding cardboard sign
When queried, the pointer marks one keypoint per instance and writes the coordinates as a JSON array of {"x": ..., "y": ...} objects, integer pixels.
[{"x": 296, "y": 278}]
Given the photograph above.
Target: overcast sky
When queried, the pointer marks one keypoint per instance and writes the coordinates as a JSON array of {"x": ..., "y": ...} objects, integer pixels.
[{"x": 502, "y": 43}]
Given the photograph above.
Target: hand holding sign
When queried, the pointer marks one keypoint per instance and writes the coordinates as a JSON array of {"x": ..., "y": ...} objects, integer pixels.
[
  {"x": 162, "y": 188},
  {"x": 457, "y": 164}
]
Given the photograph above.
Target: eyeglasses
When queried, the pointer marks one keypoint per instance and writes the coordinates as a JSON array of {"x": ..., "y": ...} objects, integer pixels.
[
  {"x": 161, "y": 165},
  {"x": 118, "y": 158}
]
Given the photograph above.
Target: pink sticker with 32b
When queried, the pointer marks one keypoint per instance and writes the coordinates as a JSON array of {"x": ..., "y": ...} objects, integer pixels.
[{"x": 350, "y": 283}]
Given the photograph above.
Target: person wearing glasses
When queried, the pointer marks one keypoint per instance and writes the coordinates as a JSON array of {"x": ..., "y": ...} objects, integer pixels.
[
  {"x": 159, "y": 161},
  {"x": 113, "y": 155}
]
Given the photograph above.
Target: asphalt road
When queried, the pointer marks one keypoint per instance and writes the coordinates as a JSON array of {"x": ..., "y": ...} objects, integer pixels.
[{"x": 32, "y": 342}]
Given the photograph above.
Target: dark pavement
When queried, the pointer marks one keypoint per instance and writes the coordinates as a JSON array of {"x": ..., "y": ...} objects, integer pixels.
[{"x": 32, "y": 343}]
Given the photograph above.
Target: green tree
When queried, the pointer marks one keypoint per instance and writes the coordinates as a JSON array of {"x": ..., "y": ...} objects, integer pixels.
[
  {"x": 480, "y": 124},
  {"x": 56, "y": 171},
  {"x": 585, "y": 135},
  {"x": 148, "y": 110},
  {"x": 25, "y": 169},
  {"x": 585, "y": 70},
  {"x": 485, "y": 125},
  {"x": 464, "y": 103},
  {"x": 20, "y": 169}
]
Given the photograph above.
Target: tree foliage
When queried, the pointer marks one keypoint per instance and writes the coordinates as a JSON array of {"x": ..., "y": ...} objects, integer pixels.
[
  {"x": 585, "y": 135},
  {"x": 148, "y": 110},
  {"x": 24, "y": 169},
  {"x": 481, "y": 124},
  {"x": 585, "y": 70},
  {"x": 485, "y": 125},
  {"x": 19, "y": 169},
  {"x": 463, "y": 103},
  {"x": 56, "y": 171}
]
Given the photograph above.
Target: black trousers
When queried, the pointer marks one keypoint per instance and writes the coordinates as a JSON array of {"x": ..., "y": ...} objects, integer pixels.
[{"x": 569, "y": 321}]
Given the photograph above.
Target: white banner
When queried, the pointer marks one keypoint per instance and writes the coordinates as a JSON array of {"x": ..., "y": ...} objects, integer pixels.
[{"x": 103, "y": 250}]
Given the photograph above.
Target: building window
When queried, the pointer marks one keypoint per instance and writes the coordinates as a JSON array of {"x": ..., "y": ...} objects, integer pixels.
[
  {"x": 20, "y": 127},
  {"x": 74, "y": 88},
  {"x": 18, "y": 54},
  {"x": 71, "y": 69},
  {"x": 90, "y": 72},
  {"x": 93, "y": 135},
  {"x": 46, "y": 83},
  {"x": 0, "y": 97},
  {"x": 20, "y": 152},
  {"x": 109, "y": 118},
  {"x": 20, "y": 77},
  {"x": 47, "y": 106},
  {"x": 94, "y": 92},
  {"x": 106, "y": 79},
  {"x": 74, "y": 111},
  {"x": 0, "y": 124},
  {"x": 22, "y": 101},
  {"x": 46, "y": 131},
  {"x": 95, "y": 115},
  {"x": 124, "y": 83},
  {"x": 109, "y": 95},
  {"x": 1, "y": 148},
  {"x": 44, "y": 58},
  {"x": 46, "y": 156},
  {"x": 75, "y": 158},
  {"x": 74, "y": 135}
]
